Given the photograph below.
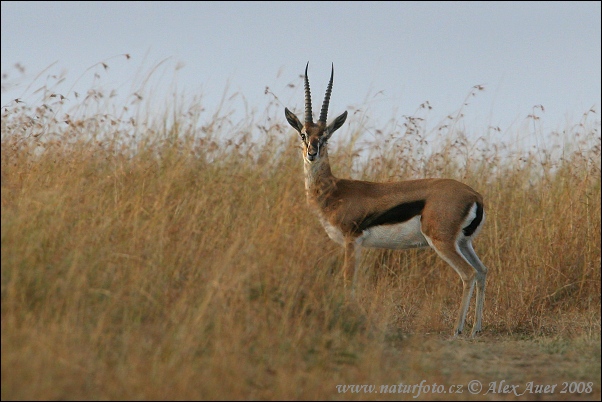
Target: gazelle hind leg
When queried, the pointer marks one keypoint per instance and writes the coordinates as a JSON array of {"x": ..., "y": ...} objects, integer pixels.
[
  {"x": 465, "y": 246},
  {"x": 450, "y": 254}
]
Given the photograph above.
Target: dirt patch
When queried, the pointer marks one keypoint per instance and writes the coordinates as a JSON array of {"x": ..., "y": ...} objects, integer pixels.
[{"x": 497, "y": 368}]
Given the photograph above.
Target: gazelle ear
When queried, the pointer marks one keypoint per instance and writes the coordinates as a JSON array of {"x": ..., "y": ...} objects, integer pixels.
[
  {"x": 293, "y": 120},
  {"x": 336, "y": 124}
]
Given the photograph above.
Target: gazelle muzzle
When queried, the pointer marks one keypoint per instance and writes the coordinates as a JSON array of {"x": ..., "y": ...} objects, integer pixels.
[{"x": 313, "y": 149}]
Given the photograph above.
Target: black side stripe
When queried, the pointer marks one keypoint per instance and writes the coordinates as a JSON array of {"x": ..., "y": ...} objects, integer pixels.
[
  {"x": 472, "y": 227},
  {"x": 398, "y": 214}
]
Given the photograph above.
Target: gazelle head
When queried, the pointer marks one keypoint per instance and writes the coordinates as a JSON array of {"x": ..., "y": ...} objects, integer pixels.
[{"x": 314, "y": 136}]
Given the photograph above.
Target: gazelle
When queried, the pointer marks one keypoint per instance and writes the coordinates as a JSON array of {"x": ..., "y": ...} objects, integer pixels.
[{"x": 441, "y": 213}]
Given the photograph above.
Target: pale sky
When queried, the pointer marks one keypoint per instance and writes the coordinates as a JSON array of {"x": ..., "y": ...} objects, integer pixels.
[{"x": 389, "y": 57}]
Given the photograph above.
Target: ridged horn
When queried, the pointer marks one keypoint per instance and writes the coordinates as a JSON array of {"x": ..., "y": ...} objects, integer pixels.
[
  {"x": 324, "y": 111},
  {"x": 308, "y": 114}
]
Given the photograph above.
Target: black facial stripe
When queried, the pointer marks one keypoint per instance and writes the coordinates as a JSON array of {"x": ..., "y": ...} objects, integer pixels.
[
  {"x": 398, "y": 214},
  {"x": 472, "y": 227}
]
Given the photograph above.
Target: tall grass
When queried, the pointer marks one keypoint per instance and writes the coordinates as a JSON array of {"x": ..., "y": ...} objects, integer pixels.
[{"x": 150, "y": 259}]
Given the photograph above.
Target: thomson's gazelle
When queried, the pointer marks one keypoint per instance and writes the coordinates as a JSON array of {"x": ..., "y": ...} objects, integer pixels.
[{"x": 441, "y": 213}]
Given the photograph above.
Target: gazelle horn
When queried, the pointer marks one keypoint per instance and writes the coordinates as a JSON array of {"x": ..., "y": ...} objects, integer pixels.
[
  {"x": 324, "y": 111},
  {"x": 308, "y": 113}
]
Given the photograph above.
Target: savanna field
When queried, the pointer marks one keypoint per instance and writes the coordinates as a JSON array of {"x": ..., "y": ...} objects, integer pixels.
[{"x": 173, "y": 255}]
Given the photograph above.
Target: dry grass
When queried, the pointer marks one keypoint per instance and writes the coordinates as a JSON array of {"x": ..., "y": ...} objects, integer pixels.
[{"x": 150, "y": 260}]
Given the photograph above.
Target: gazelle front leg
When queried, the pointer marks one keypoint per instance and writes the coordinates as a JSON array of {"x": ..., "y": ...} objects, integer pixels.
[{"x": 353, "y": 252}]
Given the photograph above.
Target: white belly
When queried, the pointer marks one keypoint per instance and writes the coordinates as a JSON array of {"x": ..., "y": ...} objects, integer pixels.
[{"x": 398, "y": 236}]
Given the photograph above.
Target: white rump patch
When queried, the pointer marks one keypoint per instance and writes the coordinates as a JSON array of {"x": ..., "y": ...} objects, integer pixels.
[{"x": 472, "y": 214}]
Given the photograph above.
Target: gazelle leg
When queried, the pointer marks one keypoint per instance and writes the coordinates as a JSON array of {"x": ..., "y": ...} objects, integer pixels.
[
  {"x": 448, "y": 252},
  {"x": 466, "y": 249},
  {"x": 349, "y": 264},
  {"x": 353, "y": 252}
]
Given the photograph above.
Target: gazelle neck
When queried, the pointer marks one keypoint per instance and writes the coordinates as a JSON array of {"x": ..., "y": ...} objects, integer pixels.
[{"x": 319, "y": 180}]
